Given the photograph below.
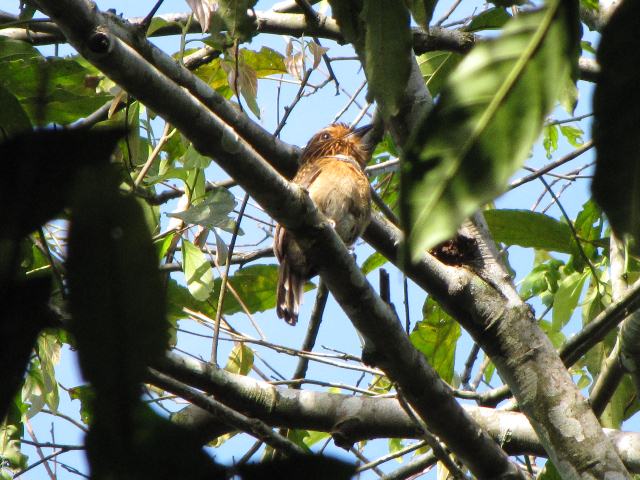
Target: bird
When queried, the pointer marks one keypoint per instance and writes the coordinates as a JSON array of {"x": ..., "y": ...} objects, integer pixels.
[{"x": 332, "y": 172}]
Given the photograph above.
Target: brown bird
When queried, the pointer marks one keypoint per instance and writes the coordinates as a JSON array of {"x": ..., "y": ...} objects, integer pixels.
[{"x": 332, "y": 171}]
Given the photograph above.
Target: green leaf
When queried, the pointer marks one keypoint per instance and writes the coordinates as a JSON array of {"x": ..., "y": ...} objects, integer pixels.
[
  {"x": 48, "y": 350},
  {"x": 490, "y": 112},
  {"x": 436, "y": 336},
  {"x": 116, "y": 294},
  {"x": 212, "y": 212},
  {"x": 86, "y": 395},
  {"x": 388, "y": 51},
  {"x": 436, "y": 67},
  {"x": 490, "y": 19},
  {"x": 197, "y": 271},
  {"x": 566, "y": 298},
  {"x": 16, "y": 49},
  {"x": 422, "y": 11},
  {"x": 234, "y": 14},
  {"x": 240, "y": 359},
  {"x": 255, "y": 285},
  {"x": 529, "y": 229},
  {"x": 179, "y": 297},
  {"x": 550, "y": 139},
  {"x": 264, "y": 62},
  {"x": 13, "y": 118},
  {"x": 543, "y": 281},
  {"x": 374, "y": 261},
  {"x": 58, "y": 82},
  {"x": 616, "y": 131},
  {"x": 572, "y": 134}
]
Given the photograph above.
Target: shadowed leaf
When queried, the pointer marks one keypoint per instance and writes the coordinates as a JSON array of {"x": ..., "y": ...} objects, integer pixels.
[
  {"x": 388, "y": 51},
  {"x": 616, "y": 127},
  {"x": 490, "y": 112}
]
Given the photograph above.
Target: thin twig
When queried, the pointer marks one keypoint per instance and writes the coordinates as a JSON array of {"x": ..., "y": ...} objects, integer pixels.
[
  {"x": 547, "y": 168},
  {"x": 391, "y": 456},
  {"x": 351, "y": 100},
  {"x": 312, "y": 330},
  {"x": 576, "y": 237},
  {"x": 287, "y": 110},
  {"x": 252, "y": 426},
  {"x": 223, "y": 285},
  {"x": 448, "y": 13},
  {"x": 468, "y": 366},
  {"x": 437, "y": 448}
]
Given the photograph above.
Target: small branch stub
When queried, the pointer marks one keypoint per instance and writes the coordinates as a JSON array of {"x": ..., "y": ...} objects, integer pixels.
[{"x": 99, "y": 42}]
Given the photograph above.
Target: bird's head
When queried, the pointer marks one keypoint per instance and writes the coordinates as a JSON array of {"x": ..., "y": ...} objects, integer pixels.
[{"x": 338, "y": 139}]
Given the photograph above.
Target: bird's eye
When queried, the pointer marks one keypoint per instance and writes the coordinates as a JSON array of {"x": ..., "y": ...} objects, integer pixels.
[{"x": 325, "y": 136}]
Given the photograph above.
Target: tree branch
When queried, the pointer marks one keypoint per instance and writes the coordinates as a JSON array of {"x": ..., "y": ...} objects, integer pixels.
[{"x": 348, "y": 418}]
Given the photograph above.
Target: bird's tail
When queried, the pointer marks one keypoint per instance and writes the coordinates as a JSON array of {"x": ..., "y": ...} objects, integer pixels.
[
  {"x": 290, "y": 283},
  {"x": 289, "y": 294}
]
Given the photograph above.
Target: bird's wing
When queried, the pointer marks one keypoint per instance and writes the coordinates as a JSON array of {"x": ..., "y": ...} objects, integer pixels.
[{"x": 308, "y": 173}]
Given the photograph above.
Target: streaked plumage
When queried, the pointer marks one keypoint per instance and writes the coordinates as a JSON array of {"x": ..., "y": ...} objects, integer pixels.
[{"x": 332, "y": 172}]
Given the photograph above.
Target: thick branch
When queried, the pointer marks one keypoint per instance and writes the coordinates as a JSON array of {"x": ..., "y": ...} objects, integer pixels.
[
  {"x": 437, "y": 38},
  {"x": 505, "y": 329},
  {"x": 348, "y": 418}
]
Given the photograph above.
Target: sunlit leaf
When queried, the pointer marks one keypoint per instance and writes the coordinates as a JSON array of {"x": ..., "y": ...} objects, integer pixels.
[
  {"x": 529, "y": 229},
  {"x": 436, "y": 336},
  {"x": 240, "y": 359},
  {"x": 212, "y": 212},
  {"x": 490, "y": 112},
  {"x": 436, "y": 67},
  {"x": 566, "y": 298},
  {"x": 197, "y": 271},
  {"x": 374, "y": 261},
  {"x": 13, "y": 118}
]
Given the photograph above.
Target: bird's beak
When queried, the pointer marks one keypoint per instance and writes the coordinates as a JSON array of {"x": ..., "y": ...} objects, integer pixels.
[{"x": 362, "y": 131}]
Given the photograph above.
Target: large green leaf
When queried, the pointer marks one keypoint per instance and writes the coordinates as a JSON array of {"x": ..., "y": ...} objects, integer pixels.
[
  {"x": 616, "y": 129},
  {"x": 436, "y": 336},
  {"x": 58, "y": 82},
  {"x": 39, "y": 170},
  {"x": 529, "y": 229},
  {"x": 388, "y": 51},
  {"x": 116, "y": 293},
  {"x": 490, "y": 112}
]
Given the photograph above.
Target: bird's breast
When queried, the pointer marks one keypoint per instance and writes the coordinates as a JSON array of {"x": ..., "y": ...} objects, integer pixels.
[{"x": 341, "y": 193}]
